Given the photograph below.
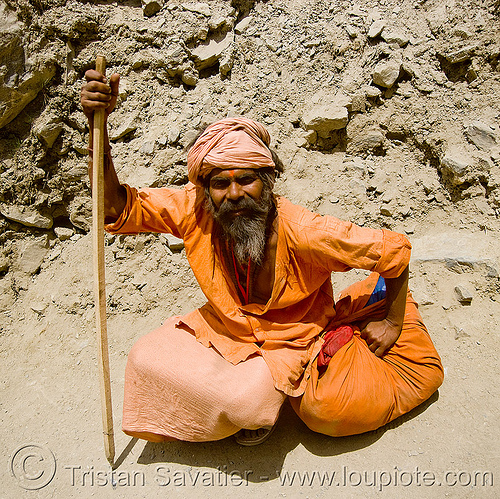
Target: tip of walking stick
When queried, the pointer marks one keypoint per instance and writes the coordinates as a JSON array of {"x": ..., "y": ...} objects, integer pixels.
[
  {"x": 100, "y": 64},
  {"x": 110, "y": 456}
]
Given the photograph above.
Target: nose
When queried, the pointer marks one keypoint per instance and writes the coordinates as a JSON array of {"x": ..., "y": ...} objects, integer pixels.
[{"x": 235, "y": 191}]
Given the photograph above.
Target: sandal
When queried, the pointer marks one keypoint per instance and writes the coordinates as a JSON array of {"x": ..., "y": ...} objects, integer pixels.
[{"x": 249, "y": 438}]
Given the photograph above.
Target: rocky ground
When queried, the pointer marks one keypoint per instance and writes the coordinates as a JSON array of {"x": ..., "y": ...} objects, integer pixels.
[{"x": 384, "y": 112}]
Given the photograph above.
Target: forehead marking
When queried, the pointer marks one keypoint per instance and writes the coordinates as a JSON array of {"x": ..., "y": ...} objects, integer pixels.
[{"x": 234, "y": 173}]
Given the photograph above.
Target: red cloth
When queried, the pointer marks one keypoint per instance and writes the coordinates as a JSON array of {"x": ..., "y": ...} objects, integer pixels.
[{"x": 335, "y": 339}]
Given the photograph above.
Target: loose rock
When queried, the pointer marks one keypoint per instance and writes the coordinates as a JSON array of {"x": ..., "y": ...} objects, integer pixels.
[
  {"x": 395, "y": 36},
  {"x": 47, "y": 128},
  {"x": 32, "y": 255},
  {"x": 198, "y": 8},
  {"x": 63, "y": 233},
  {"x": 376, "y": 28},
  {"x": 456, "y": 164},
  {"x": 174, "y": 243},
  {"x": 386, "y": 73},
  {"x": 207, "y": 54},
  {"x": 325, "y": 119},
  {"x": 455, "y": 55},
  {"x": 151, "y": 7},
  {"x": 366, "y": 141},
  {"x": 243, "y": 25},
  {"x": 464, "y": 296},
  {"x": 481, "y": 135},
  {"x": 26, "y": 216}
]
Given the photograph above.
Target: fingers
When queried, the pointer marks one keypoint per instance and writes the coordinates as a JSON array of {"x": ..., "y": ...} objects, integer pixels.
[
  {"x": 375, "y": 346},
  {"x": 98, "y": 93},
  {"x": 375, "y": 340},
  {"x": 378, "y": 348},
  {"x": 92, "y": 74},
  {"x": 97, "y": 87},
  {"x": 90, "y": 106},
  {"x": 114, "y": 82},
  {"x": 96, "y": 82}
]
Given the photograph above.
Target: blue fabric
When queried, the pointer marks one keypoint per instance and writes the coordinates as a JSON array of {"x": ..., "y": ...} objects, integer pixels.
[{"x": 378, "y": 293}]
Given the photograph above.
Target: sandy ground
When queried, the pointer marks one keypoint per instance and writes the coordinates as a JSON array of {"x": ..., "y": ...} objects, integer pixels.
[{"x": 51, "y": 414}]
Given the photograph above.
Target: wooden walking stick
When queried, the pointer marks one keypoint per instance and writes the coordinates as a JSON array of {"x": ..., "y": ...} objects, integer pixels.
[{"x": 99, "y": 273}]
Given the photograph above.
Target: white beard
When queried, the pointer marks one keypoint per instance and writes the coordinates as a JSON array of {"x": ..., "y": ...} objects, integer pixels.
[{"x": 246, "y": 233}]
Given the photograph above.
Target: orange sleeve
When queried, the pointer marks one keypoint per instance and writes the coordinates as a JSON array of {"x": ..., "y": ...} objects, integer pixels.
[
  {"x": 338, "y": 246},
  {"x": 155, "y": 210},
  {"x": 395, "y": 255},
  {"x": 347, "y": 245}
]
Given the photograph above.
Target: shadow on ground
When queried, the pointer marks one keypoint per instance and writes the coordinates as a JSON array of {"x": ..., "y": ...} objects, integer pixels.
[{"x": 264, "y": 462}]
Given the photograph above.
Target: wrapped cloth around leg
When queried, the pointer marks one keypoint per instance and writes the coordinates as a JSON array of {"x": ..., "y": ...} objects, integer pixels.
[{"x": 359, "y": 391}]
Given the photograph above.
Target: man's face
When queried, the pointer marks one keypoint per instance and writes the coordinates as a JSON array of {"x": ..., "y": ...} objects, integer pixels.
[
  {"x": 233, "y": 186},
  {"x": 240, "y": 203}
]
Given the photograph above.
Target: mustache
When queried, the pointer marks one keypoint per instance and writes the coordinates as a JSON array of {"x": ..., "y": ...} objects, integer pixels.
[{"x": 229, "y": 207}]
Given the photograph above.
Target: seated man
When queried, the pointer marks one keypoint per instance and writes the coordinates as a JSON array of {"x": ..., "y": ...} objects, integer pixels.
[{"x": 265, "y": 268}]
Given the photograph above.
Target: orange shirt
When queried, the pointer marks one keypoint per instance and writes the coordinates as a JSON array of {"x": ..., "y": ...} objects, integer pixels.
[{"x": 285, "y": 331}]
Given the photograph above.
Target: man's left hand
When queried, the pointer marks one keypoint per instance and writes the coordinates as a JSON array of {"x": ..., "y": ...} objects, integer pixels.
[{"x": 380, "y": 335}]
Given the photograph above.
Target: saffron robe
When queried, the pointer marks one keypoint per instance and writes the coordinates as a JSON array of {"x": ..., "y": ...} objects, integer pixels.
[{"x": 286, "y": 330}]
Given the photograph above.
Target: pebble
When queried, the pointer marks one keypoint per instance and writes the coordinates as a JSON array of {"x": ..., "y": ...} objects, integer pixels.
[
  {"x": 460, "y": 333},
  {"x": 376, "y": 28},
  {"x": 63, "y": 233},
  {"x": 351, "y": 31},
  {"x": 464, "y": 296},
  {"x": 174, "y": 243}
]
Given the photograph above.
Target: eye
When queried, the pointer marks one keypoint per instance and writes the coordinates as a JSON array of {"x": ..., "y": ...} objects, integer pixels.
[
  {"x": 219, "y": 183},
  {"x": 247, "y": 179}
]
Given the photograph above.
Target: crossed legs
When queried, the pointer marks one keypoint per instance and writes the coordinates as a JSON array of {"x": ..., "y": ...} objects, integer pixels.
[{"x": 176, "y": 388}]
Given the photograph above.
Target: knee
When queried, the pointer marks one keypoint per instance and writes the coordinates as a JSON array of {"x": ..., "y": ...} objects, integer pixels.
[
  {"x": 328, "y": 420},
  {"x": 138, "y": 355},
  {"x": 436, "y": 377},
  {"x": 431, "y": 379},
  {"x": 141, "y": 358},
  {"x": 251, "y": 414},
  {"x": 255, "y": 406},
  {"x": 344, "y": 415}
]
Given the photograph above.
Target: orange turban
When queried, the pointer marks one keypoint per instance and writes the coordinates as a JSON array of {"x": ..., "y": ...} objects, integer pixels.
[{"x": 230, "y": 143}]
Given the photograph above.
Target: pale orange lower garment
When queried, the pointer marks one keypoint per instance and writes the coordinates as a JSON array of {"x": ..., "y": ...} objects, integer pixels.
[{"x": 176, "y": 388}]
